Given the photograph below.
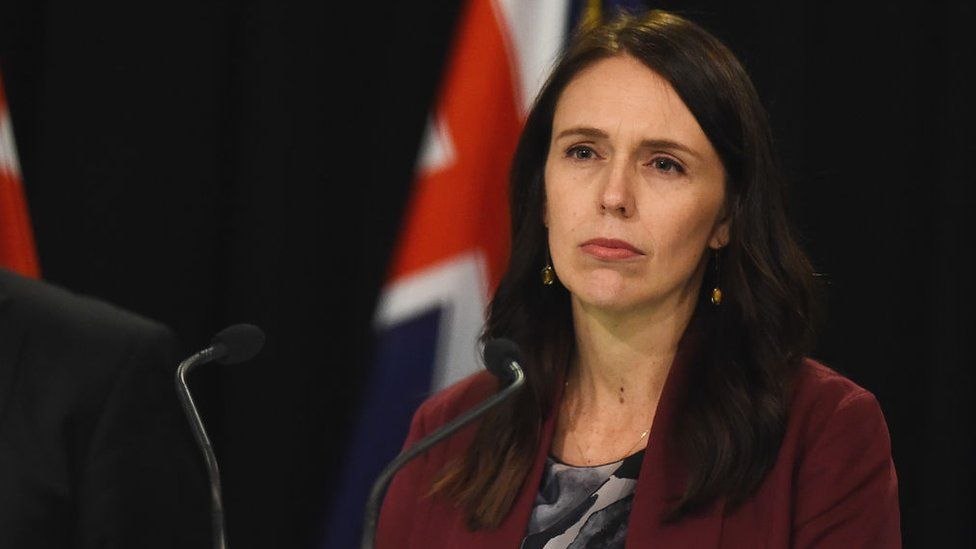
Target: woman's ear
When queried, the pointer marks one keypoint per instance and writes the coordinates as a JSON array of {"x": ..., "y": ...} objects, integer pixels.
[{"x": 720, "y": 234}]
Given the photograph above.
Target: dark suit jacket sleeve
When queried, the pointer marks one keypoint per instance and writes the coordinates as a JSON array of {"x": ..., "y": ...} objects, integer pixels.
[
  {"x": 142, "y": 483},
  {"x": 847, "y": 491}
]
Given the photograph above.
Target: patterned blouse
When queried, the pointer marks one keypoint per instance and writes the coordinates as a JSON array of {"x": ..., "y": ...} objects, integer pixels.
[{"x": 583, "y": 507}]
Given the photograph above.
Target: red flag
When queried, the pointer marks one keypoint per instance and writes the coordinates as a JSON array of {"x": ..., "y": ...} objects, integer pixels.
[
  {"x": 17, "y": 251},
  {"x": 459, "y": 201}
]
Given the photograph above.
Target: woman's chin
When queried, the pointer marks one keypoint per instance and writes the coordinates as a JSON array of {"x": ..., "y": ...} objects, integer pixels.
[
  {"x": 614, "y": 295},
  {"x": 606, "y": 298},
  {"x": 604, "y": 287}
]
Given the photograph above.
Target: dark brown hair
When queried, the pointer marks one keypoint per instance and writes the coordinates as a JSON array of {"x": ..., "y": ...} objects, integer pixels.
[{"x": 730, "y": 427}]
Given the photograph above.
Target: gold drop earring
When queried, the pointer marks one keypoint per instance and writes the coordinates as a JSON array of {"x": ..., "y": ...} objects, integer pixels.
[
  {"x": 716, "y": 291},
  {"x": 548, "y": 274}
]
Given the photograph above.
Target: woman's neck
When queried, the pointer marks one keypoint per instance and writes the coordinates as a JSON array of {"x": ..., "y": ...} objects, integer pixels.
[
  {"x": 623, "y": 359},
  {"x": 616, "y": 380}
]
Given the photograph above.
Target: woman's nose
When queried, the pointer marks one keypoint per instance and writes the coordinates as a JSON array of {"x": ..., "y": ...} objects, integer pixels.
[{"x": 617, "y": 197}]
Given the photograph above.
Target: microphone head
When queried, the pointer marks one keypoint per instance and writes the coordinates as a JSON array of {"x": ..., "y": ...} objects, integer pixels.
[
  {"x": 238, "y": 343},
  {"x": 499, "y": 355}
]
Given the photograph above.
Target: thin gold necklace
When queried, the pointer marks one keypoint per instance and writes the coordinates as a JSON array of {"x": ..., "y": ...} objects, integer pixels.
[{"x": 627, "y": 453}]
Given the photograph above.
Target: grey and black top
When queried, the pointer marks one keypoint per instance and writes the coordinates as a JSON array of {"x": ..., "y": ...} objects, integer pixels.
[{"x": 583, "y": 507}]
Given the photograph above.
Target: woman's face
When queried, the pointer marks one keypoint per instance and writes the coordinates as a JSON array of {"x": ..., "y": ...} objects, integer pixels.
[{"x": 634, "y": 190}]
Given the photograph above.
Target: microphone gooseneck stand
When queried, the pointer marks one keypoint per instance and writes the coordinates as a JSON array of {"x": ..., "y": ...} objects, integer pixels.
[
  {"x": 203, "y": 441},
  {"x": 379, "y": 487},
  {"x": 234, "y": 344}
]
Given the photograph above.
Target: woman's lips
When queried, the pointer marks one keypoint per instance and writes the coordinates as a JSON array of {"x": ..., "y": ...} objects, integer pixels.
[{"x": 610, "y": 248}]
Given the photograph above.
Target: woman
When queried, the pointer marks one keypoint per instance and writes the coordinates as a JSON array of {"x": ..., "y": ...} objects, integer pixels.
[{"x": 668, "y": 400}]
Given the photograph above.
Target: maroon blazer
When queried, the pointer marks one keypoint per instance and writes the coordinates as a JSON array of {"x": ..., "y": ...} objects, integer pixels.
[{"x": 833, "y": 483}]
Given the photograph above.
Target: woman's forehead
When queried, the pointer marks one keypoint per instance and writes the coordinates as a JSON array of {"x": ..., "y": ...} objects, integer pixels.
[{"x": 620, "y": 95}]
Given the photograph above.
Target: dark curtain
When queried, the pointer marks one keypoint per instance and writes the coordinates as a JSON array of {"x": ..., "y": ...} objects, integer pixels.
[{"x": 211, "y": 162}]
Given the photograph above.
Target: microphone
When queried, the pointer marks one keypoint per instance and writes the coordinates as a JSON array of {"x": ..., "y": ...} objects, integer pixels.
[
  {"x": 234, "y": 344},
  {"x": 502, "y": 358}
]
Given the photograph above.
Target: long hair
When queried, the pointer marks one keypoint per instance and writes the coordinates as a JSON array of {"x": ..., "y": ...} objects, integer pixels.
[{"x": 729, "y": 429}]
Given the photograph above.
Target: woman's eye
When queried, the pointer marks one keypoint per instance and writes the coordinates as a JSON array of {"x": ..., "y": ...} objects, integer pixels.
[
  {"x": 667, "y": 165},
  {"x": 581, "y": 152}
]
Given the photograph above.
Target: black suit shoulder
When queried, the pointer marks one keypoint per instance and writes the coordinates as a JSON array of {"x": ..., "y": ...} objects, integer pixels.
[
  {"x": 60, "y": 313},
  {"x": 94, "y": 451},
  {"x": 66, "y": 352}
]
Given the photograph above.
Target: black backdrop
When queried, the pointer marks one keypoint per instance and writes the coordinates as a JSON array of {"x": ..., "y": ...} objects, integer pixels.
[{"x": 207, "y": 162}]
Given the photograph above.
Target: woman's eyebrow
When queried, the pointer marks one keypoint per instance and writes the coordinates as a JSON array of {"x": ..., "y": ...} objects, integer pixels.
[
  {"x": 668, "y": 144},
  {"x": 583, "y": 131},
  {"x": 594, "y": 133}
]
